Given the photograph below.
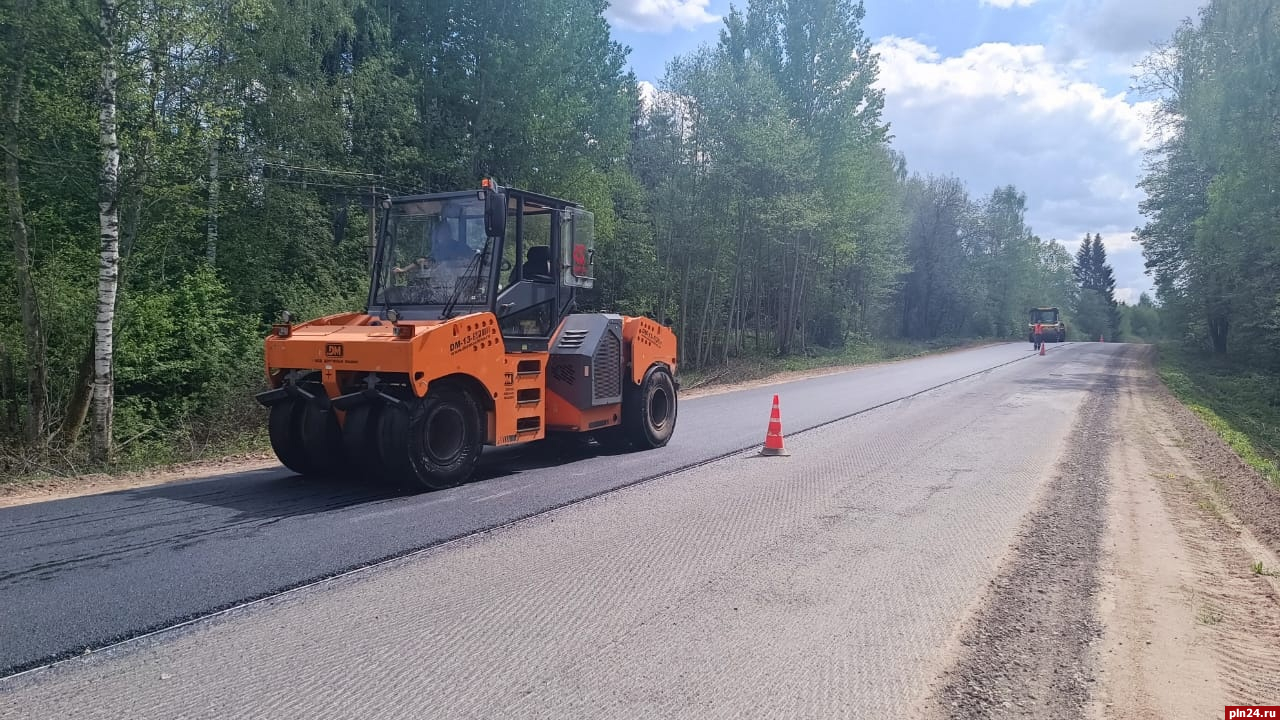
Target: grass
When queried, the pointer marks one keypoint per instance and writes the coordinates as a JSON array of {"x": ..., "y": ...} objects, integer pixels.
[
  {"x": 236, "y": 429},
  {"x": 1210, "y": 615},
  {"x": 1258, "y": 569},
  {"x": 1242, "y": 405},
  {"x": 755, "y": 367},
  {"x": 1210, "y": 507},
  {"x": 21, "y": 467}
]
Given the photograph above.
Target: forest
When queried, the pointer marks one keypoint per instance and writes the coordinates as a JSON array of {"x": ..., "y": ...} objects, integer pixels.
[
  {"x": 1212, "y": 240},
  {"x": 177, "y": 172}
]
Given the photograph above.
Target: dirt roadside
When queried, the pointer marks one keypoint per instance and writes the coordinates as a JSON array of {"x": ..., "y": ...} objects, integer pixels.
[
  {"x": 1190, "y": 626},
  {"x": 1132, "y": 590},
  {"x": 59, "y": 488}
]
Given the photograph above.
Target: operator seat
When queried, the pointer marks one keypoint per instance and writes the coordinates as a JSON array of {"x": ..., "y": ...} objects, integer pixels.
[{"x": 537, "y": 268}]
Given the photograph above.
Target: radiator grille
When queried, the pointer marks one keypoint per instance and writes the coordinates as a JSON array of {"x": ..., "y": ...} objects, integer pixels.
[{"x": 606, "y": 368}]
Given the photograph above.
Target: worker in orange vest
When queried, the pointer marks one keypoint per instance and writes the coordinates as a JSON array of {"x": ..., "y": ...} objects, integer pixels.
[{"x": 1039, "y": 337}]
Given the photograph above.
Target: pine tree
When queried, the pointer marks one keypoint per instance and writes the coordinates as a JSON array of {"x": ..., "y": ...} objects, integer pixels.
[
  {"x": 1084, "y": 262},
  {"x": 1105, "y": 283},
  {"x": 1097, "y": 312}
]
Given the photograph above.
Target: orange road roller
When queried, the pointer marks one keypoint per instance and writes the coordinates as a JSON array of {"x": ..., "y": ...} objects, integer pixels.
[{"x": 469, "y": 338}]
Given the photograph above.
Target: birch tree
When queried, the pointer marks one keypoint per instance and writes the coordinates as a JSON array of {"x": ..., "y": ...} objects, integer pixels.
[{"x": 109, "y": 237}]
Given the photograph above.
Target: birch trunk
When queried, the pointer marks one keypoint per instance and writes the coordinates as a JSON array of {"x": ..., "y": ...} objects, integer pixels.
[
  {"x": 735, "y": 303},
  {"x": 728, "y": 329},
  {"x": 757, "y": 293},
  {"x": 684, "y": 312},
  {"x": 792, "y": 300},
  {"x": 29, "y": 302},
  {"x": 703, "y": 332},
  {"x": 82, "y": 391},
  {"x": 215, "y": 139},
  {"x": 109, "y": 253},
  {"x": 211, "y": 230}
]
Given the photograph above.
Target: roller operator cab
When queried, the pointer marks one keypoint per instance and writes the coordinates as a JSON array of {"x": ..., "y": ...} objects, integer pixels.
[
  {"x": 469, "y": 338},
  {"x": 1054, "y": 329}
]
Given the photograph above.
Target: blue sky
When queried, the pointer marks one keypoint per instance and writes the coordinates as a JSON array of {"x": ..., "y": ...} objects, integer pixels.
[
  {"x": 949, "y": 25},
  {"x": 1030, "y": 92}
]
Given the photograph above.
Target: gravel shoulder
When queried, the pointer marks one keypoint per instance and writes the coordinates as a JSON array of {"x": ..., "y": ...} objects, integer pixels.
[{"x": 1025, "y": 651}]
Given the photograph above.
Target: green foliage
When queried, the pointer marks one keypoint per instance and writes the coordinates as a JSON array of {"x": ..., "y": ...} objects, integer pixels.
[
  {"x": 182, "y": 353},
  {"x": 1092, "y": 316},
  {"x": 1140, "y": 323},
  {"x": 179, "y": 343},
  {"x": 975, "y": 267},
  {"x": 1239, "y": 403},
  {"x": 1210, "y": 239}
]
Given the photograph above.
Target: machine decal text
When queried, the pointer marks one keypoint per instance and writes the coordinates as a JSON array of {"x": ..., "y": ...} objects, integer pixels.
[
  {"x": 467, "y": 341},
  {"x": 648, "y": 336}
]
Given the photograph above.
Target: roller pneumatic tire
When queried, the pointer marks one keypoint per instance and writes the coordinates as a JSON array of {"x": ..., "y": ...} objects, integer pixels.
[
  {"x": 360, "y": 441},
  {"x": 284, "y": 428},
  {"x": 436, "y": 443},
  {"x": 322, "y": 440},
  {"x": 648, "y": 412}
]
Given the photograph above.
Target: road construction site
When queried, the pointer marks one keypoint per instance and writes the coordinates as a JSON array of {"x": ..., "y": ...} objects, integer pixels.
[{"x": 988, "y": 533}]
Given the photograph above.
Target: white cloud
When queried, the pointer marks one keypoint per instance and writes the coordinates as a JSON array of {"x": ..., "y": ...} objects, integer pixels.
[
  {"x": 1000, "y": 114},
  {"x": 1006, "y": 4},
  {"x": 648, "y": 93},
  {"x": 659, "y": 15},
  {"x": 1127, "y": 28}
]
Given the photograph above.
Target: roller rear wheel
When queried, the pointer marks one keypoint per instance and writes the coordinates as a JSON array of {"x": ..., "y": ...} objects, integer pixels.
[{"x": 648, "y": 413}]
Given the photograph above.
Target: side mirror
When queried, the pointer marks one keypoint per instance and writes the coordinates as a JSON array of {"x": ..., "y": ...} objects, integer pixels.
[{"x": 495, "y": 212}]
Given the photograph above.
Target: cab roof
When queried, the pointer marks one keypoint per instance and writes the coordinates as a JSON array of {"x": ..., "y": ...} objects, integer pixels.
[{"x": 531, "y": 199}]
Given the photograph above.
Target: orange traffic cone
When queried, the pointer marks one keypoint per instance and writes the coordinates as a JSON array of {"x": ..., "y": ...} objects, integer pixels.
[
  {"x": 773, "y": 438},
  {"x": 1042, "y": 348}
]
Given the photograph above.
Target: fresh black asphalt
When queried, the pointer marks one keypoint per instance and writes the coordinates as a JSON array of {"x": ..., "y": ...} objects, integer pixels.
[{"x": 81, "y": 573}]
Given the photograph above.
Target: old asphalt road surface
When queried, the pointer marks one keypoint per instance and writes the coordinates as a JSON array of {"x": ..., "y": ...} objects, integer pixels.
[{"x": 732, "y": 585}]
